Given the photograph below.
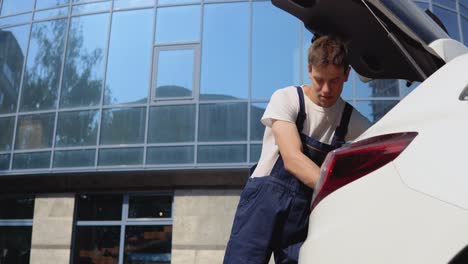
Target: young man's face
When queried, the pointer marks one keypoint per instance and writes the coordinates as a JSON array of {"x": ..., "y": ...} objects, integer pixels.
[{"x": 327, "y": 83}]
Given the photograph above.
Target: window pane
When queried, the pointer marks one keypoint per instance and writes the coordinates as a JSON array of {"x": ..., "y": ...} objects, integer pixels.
[
  {"x": 15, "y": 6},
  {"x": 223, "y": 122},
  {"x": 374, "y": 110},
  {"x": 275, "y": 53},
  {"x": 77, "y": 128},
  {"x": 89, "y": 8},
  {"x": 84, "y": 63},
  {"x": 222, "y": 154},
  {"x": 6, "y": 135},
  {"x": 53, "y": 13},
  {"x": 447, "y": 3},
  {"x": 148, "y": 244},
  {"x": 255, "y": 151},
  {"x": 172, "y": 2},
  {"x": 117, "y": 157},
  {"x": 377, "y": 88},
  {"x": 35, "y": 160},
  {"x": 465, "y": 30},
  {"x": 175, "y": 123},
  {"x": 19, "y": 207},
  {"x": 50, "y": 3},
  {"x": 150, "y": 207},
  {"x": 170, "y": 155},
  {"x": 35, "y": 131},
  {"x": 43, "y": 65},
  {"x": 256, "y": 127},
  {"x": 15, "y": 244},
  {"x": 97, "y": 207},
  {"x": 132, "y": 3},
  {"x": 449, "y": 19},
  {"x": 464, "y": 10},
  {"x": 4, "y": 162},
  {"x": 13, "y": 20},
  {"x": 123, "y": 126},
  {"x": 175, "y": 73},
  {"x": 225, "y": 54},
  {"x": 74, "y": 158},
  {"x": 13, "y": 43},
  {"x": 97, "y": 244},
  {"x": 178, "y": 24},
  {"x": 129, "y": 63},
  {"x": 405, "y": 90}
]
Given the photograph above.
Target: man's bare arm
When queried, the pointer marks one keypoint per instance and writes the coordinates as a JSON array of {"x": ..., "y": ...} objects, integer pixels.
[{"x": 290, "y": 146}]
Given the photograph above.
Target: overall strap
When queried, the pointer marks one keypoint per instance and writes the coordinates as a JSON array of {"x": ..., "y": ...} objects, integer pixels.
[
  {"x": 301, "y": 116},
  {"x": 342, "y": 129}
]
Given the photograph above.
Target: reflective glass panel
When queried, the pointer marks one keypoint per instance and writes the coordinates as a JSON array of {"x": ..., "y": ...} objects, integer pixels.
[
  {"x": 50, "y": 3},
  {"x": 178, "y": 24},
  {"x": 4, "y": 161},
  {"x": 6, "y": 135},
  {"x": 89, "y": 8},
  {"x": 306, "y": 41},
  {"x": 222, "y": 122},
  {"x": 255, "y": 151},
  {"x": 129, "y": 62},
  {"x": 175, "y": 74},
  {"x": 15, "y": 6},
  {"x": 405, "y": 90},
  {"x": 16, "y": 207},
  {"x": 170, "y": 155},
  {"x": 374, "y": 110},
  {"x": 275, "y": 53},
  {"x": 96, "y": 244},
  {"x": 256, "y": 127},
  {"x": 377, "y": 88},
  {"x": 174, "y": 123},
  {"x": 34, "y": 160},
  {"x": 225, "y": 53},
  {"x": 84, "y": 62},
  {"x": 150, "y": 207},
  {"x": 123, "y": 126},
  {"x": 121, "y": 156},
  {"x": 13, "y": 43},
  {"x": 35, "y": 131},
  {"x": 74, "y": 158},
  {"x": 172, "y": 2},
  {"x": 449, "y": 19},
  {"x": 446, "y": 3},
  {"x": 53, "y": 13},
  {"x": 465, "y": 30},
  {"x": 42, "y": 76},
  {"x": 118, "y": 4},
  {"x": 13, "y": 20},
  {"x": 15, "y": 244},
  {"x": 222, "y": 154},
  {"x": 148, "y": 244},
  {"x": 97, "y": 207},
  {"x": 77, "y": 128},
  {"x": 464, "y": 10}
]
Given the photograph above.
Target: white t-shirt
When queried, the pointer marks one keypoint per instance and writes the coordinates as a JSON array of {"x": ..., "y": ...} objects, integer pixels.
[{"x": 320, "y": 123}]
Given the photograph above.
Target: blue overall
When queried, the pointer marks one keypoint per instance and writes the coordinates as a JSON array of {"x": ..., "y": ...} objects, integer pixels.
[{"x": 273, "y": 211}]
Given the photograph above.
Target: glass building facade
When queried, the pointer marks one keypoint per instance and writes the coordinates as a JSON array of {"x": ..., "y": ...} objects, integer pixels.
[
  {"x": 154, "y": 86},
  {"x": 89, "y": 85}
]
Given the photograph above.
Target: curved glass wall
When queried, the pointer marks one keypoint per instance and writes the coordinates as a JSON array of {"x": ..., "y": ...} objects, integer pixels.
[{"x": 102, "y": 84}]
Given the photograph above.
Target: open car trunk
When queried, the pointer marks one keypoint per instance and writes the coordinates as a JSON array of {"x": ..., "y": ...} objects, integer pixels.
[{"x": 386, "y": 39}]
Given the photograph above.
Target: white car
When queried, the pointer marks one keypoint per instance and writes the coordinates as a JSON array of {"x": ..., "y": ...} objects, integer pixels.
[{"x": 399, "y": 193}]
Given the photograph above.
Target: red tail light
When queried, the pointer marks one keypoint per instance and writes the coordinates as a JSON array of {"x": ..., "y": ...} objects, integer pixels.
[{"x": 353, "y": 161}]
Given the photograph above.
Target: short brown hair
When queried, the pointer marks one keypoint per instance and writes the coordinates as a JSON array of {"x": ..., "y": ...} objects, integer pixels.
[{"x": 328, "y": 50}]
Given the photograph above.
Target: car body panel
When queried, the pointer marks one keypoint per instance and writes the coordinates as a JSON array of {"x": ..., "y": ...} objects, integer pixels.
[
  {"x": 378, "y": 219},
  {"x": 386, "y": 39}
]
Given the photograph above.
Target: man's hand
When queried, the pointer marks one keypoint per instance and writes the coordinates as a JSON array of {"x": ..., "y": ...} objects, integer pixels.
[{"x": 290, "y": 146}]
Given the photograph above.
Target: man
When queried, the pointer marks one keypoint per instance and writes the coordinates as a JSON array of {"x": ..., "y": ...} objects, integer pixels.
[{"x": 302, "y": 125}]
